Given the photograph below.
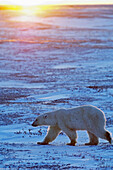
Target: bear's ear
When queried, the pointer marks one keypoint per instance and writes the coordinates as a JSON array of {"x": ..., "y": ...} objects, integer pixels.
[{"x": 45, "y": 116}]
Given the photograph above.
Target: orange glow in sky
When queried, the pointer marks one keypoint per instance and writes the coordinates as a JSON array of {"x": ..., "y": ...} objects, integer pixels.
[{"x": 52, "y": 2}]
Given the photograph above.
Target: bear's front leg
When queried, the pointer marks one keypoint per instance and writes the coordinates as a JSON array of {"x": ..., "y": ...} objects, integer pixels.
[
  {"x": 72, "y": 143},
  {"x": 42, "y": 143},
  {"x": 71, "y": 134},
  {"x": 52, "y": 133}
]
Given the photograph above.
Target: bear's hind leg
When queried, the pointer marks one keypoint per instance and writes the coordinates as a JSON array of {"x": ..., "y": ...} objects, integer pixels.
[
  {"x": 52, "y": 133},
  {"x": 93, "y": 139},
  {"x": 108, "y": 137}
]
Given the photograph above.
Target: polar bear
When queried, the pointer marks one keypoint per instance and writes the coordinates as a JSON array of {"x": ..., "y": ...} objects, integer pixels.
[{"x": 86, "y": 117}]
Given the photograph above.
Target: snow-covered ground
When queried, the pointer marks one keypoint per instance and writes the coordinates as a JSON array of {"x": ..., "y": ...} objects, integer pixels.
[{"x": 62, "y": 58}]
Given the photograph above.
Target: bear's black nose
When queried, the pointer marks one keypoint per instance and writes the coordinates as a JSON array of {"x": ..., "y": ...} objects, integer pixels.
[{"x": 34, "y": 124}]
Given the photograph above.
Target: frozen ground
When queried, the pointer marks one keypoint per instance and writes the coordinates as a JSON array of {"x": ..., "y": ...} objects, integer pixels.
[{"x": 60, "y": 58}]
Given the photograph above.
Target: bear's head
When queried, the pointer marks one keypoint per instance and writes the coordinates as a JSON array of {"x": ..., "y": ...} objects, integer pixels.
[{"x": 45, "y": 119}]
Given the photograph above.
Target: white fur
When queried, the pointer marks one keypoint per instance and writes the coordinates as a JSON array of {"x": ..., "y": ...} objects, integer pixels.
[{"x": 88, "y": 118}]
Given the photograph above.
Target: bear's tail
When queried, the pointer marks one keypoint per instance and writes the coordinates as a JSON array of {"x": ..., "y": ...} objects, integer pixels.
[{"x": 108, "y": 137}]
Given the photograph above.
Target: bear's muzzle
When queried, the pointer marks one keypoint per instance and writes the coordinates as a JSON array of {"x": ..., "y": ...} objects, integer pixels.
[{"x": 34, "y": 124}]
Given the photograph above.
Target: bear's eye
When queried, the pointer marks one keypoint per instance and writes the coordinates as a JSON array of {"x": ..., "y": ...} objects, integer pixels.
[{"x": 45, "y": 116}]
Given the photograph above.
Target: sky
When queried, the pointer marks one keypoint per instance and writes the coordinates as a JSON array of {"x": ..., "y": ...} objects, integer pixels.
[{"x": 52, "y": 2}]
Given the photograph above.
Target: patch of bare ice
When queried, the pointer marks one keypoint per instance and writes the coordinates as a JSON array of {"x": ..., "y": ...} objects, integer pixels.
[
  {"x": 65, "y": 66},
  {"x": 17, "y": 84}
]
